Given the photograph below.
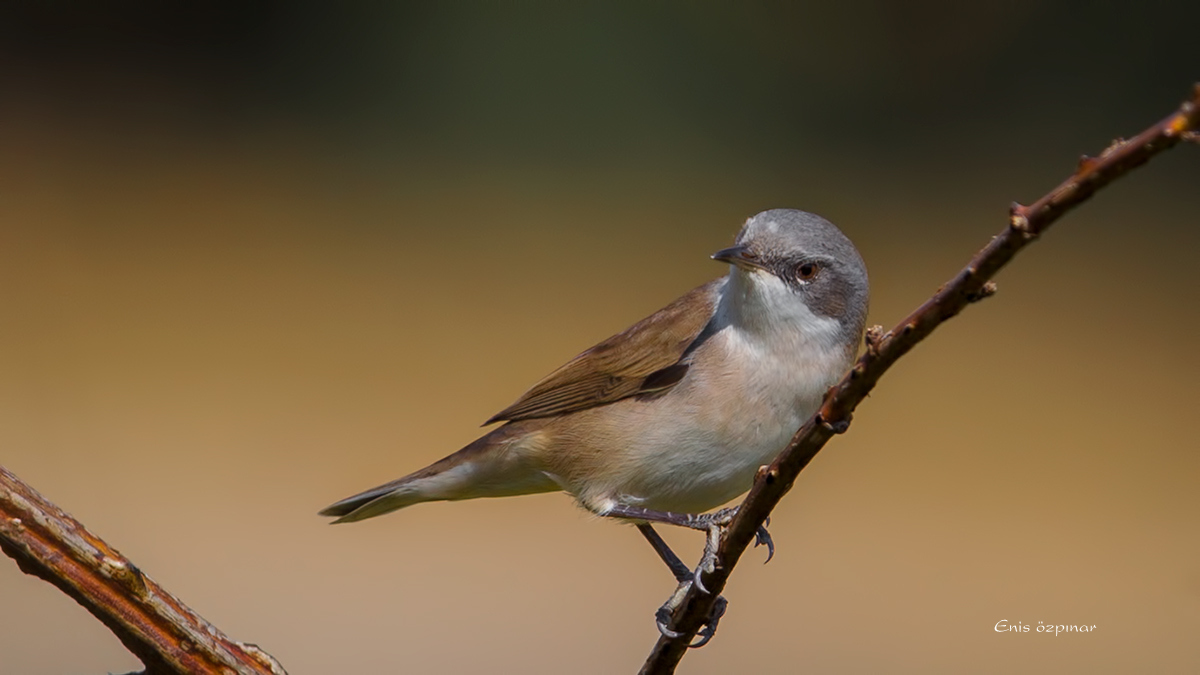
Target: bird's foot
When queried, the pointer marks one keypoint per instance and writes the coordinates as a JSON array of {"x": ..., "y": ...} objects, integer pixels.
[
  {"x": 716, "y": 523},
  {"x": 663, "y": 616}
]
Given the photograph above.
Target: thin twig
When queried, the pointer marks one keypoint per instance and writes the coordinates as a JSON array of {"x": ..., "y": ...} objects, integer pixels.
[
  {"x": 973, "y": 283},
  {"x": 161, "y": 631}
]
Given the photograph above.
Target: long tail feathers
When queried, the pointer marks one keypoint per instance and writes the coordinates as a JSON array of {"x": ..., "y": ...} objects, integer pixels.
[
  {"x": 375, "y": 502},
  {"x": 482, "y": 469}
]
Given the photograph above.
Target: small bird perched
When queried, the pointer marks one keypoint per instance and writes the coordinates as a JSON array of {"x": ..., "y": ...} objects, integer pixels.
[{"x": 673, "y": 416}]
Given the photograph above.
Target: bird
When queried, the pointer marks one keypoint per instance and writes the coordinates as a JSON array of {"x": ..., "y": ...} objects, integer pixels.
[{"x": 673, "y": 416}]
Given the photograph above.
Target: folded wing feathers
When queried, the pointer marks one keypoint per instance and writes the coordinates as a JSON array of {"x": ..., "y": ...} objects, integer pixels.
[{"x": 647, "y": 353}]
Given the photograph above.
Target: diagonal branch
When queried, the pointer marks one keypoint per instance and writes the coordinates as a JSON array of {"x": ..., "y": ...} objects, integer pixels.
[
  {"x": 167, "y": 636},
  {"x": 973, "y": 283}
]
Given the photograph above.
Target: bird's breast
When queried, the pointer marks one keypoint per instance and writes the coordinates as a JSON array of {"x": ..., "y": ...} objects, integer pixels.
[
  {"x": 699, "y": 444},
  {"x": 754, "y": 394}
]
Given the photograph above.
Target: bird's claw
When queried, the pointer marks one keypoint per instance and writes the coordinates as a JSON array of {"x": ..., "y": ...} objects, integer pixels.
[
  {"x": 710, "y": 625},
  {"x": 716, "y": 523},
  {"x": 662, "y": 617},
  {"x": 761, "y": 537}
]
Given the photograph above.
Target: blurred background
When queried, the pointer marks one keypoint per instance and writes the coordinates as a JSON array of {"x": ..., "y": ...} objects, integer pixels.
[{"x": 255, "y": 257}]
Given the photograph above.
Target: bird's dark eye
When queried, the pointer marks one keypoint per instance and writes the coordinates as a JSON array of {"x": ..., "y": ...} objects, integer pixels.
[{"x": 807, "y": 271}]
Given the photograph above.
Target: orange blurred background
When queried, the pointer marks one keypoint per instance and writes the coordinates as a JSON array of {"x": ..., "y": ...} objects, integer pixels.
[{"x": 257, "y": 257}]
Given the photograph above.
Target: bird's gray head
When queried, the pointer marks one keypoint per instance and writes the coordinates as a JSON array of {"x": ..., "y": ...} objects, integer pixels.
[{"x": 789, "y": 252}]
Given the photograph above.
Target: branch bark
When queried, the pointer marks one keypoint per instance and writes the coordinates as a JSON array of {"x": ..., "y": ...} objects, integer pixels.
[
  {"x": 162, "y": 632},
  {"x": 973, "y": 283}
]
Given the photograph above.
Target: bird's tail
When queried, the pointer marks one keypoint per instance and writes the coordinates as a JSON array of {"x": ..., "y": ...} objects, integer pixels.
[{"x": 499, "y": 464}]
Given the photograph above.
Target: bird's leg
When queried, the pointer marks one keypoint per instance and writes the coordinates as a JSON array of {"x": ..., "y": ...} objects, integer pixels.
[
  {"x": 681, "y": 571},
  {"x": 685, "y": 577},
  {"x": 714, "y": 524}
]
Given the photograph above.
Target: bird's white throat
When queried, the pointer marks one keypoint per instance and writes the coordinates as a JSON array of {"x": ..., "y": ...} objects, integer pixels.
[{"x": 761, "y": 306}]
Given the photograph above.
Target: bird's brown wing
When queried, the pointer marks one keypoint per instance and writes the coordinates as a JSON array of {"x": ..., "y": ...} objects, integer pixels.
[{"x": 642, "y": 359}]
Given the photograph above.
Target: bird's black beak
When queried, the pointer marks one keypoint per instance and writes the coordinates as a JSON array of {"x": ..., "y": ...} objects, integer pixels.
[{"x": 741, "y": 256}]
